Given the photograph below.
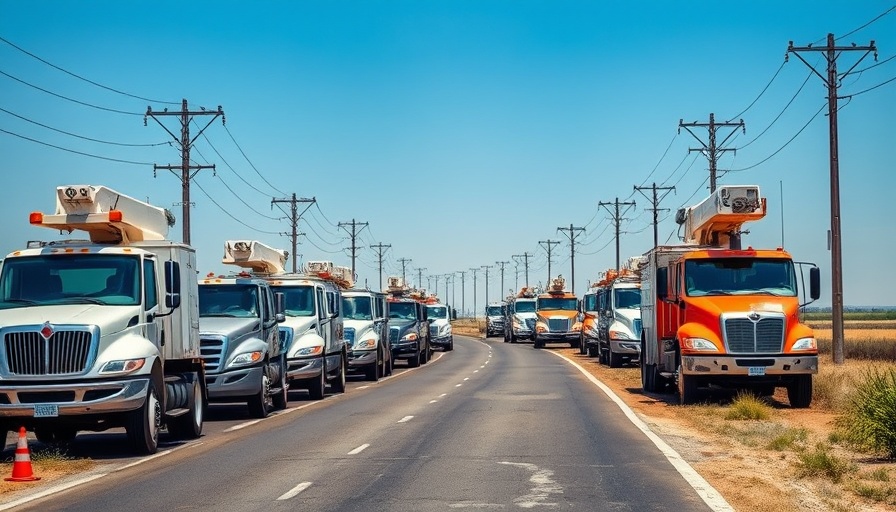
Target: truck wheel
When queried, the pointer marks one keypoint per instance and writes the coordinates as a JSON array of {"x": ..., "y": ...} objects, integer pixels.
[
  {"x": 54, "y": 435},
  {"x": 390, "y": 365},
  {"x": 317, "y": 385},
  {"x": 799, "y": 392},
  {"x": 375, "y": 370},
  {"x": 189, "y": 425},
  {"x": 575, "y": 344},
  {"x": 450, "y": 345},
  {"x": 338, "y": 384},
  {"x": 687, "y": 388},
  {"x": 143, "y": 424},
  {"x": 615, "y": 360},
  {"x": 537, "y": 343},
  {"x": 593, "y": 351},
  {"x": 261, "y": 403},
  {"x": 648, "y": 377},
  {"x": 414, "y": 362},
  {"x": 583, "y": 348},
  {"x": 506, "y": 337},
  {"x": 512, "y": 337},
  {"x": 281, "y": 398}
]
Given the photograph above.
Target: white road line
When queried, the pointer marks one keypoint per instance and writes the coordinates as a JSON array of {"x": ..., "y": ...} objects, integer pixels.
[
  {"x": 475, "y": 371},
  {"x": 294, "y": 491},
  {"x": 707, "y": 492},
  {"x": 458, "y": 385},
  {"x": 405, "y": 419},
  {"x": 144, "y": 459},
  {"x": 443, "y": 394},
  {"x": 243, "y": 425},
  {"x": 278, "y": 413},
  {"x": 359, "y": 449},
  {"x": 466, "y": 378},
  {"x": 364, "y": 387},
  {"x": 433, "y": 401},
  {"x": 483, "y": 366},
  {"x": 50, "y": 491}
]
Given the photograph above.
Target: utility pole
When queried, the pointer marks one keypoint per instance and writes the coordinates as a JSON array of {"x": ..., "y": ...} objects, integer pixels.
[
  {"x": 656, "y": 209},
  {"x": 380, "y": 251},
  {"x": 548, "y": 247},
  {"x": 711, "y": 149},
  {"x": 572, "y": 233},
  {"x": 185, "y": 143},
  {"x": 617, "y": 219},
  {"x": 420, "y": 277},
  {"x": 486, "y": 267},
  {"x": 354, "y": 234},
  {"x": 462, "y": 291},
  {"x": 832, "y": 81},
  {"x": 502, "y": 263},
  {"x": 294, "y": 217},
  {"x": 525, "y": 257},
  {"x": 404, "y": 263},
  {"x": 474, "y": 270}
]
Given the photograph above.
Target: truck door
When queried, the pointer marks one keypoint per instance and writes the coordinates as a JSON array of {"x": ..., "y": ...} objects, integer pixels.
[
  {"x": 269, "y": 327},
  {"x": 326, "y": 328},
  {"x": 151, "y": 284}
]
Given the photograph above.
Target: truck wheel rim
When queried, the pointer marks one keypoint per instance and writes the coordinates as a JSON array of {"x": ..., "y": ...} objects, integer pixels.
[{"x": 154, "y": 416}]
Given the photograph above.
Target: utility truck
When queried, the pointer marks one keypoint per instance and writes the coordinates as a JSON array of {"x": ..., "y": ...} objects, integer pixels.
[
  {"x": 366, "y": 331},
  {"x": 557, "y": 315},
  {"x": 101, "y": 333},
  {"x": 612, "y": 323},
  {"x": 409, "y": 334},
  {"x": 716, "y": 314},
  {"x": 238, "y": 330},
  {"x": 519, "y": 321}
]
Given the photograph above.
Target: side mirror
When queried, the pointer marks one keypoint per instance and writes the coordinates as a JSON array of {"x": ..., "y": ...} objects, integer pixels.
[
  {"x": 280, "y": 303},
  {"x": 662, "y": 284},
  {"x": 814, "y": 283},
  {"x": 172, "y": 284}
]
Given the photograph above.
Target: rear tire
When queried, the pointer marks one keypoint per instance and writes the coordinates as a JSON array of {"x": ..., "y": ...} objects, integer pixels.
[
  {"x": 189, "y": 426},
  {"x": 338, "y": 384},
  {"x": 593, "y": 351},
  {"x": 143, "y": 424},
  {"x": 799, "y": 392},
  {"x": 615, "y": 360},
  {"x": 648, "y": 377}
]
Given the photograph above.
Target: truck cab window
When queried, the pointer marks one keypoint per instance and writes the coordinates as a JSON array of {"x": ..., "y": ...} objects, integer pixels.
[{"x": 150, "y": 293}]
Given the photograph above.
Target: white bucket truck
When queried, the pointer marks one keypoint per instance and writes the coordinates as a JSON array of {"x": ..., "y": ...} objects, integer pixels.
[{"x": 101, "y": 333}]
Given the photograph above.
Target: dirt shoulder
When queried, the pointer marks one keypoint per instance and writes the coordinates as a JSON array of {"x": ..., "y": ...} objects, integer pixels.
[{"x": 757, "y": 465}]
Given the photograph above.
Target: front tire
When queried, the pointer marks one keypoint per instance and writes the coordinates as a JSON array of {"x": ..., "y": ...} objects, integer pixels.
[
  {"x": 614, "y": 359},
  {"x": 261, "y": 404},
  {"x": 143, "y": 424},
  {"x": 648, "y": 377},
  {"x": 374, "y": 371},
  {"x": 281, "y": 399},
  {"x": 687, "y": 388},
  {"x": 799, "y": 392},
  {"x": 338, "y": 384},
  {"x": 318, "y": 385}
]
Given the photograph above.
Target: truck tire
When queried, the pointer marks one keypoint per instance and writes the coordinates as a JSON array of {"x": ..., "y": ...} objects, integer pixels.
[
  {"x": 512, "y": 337},
  {"x": 450, "y": 346},
  {"x": 648, "y": 377},
  {"x": 338, "y": 384},
  {"x": 281, "y": 398},
  {"x": 143, "y": 424},
  {"x": 575, "y": 344},
  {"x": 583, "y": 347},
  {"x": 593, "y": 351},
  {"x": 261, "y": 404},
  {"x": 390, "y": 365},
  {"x": 799, "y": 392},
  {"x": 374, "y": 371},
  {"x": 687, "y": 388},
  {"x": 414, "y": 362},
  {"x": 537, "y": 343},
  {"x": 189, "y": 426},
  {"x": 614, "y": 359},
  {"x": 317, "y": 385},
  {"x": 506, "y": 337},
  {"x": 54, "y": 435}
]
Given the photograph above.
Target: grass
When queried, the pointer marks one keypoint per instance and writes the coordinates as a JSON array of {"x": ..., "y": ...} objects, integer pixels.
[
  {"x": 869, "y": 419},
  {"x": 789, "y": 439},
  {"x": 747, "y": 406},
  {"x": 821, "y": 462}
]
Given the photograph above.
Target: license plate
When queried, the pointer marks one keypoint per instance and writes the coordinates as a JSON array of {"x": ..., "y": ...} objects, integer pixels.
[
  {"x": 756, "y": 371},
  {"x": 46, "y": 411}
]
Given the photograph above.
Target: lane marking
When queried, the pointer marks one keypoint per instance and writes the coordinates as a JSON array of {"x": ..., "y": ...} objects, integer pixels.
[
  {"x": 51, "y": 490},
  {"x": 363, "y": 387},
  {"x": 294, "y": 491},
  {"x": 475, "y": 371},
  {"x": 433, "y": 401},
  {"x": 443, "y": 394},
  {"x": 707, "y": 492},
  {"x": 405, "y": 419},
  {"x": 278, "y": 413},
  {"x": 359, "y": 449},
  {"x": 458, "y": 385},
  {"x": 466, "y": 378}
]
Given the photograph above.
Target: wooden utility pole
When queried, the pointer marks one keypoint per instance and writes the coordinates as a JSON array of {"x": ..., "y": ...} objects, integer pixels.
[
  {"x": 380, "y": 251},
  {"x": 354, "y": 234},
  {"x": 571, "y": 233},
  {"x": 463, "y": 292},
  {"x": 185, "y": 143},
  {"x": 525, "y": 257},
  {"x": 404, "y": 263},
  {"x": 549, "y": 245},
  {"x": 501, "y": 264},
  {"x": 486, "y": 267},
  {"x": 617, "y": 219},
  {"x": 711, "y": 149},
  {"x": 831, "y": 51},
  {"x": 656, "y": 209},
  {"x": 294, "y": 217}
]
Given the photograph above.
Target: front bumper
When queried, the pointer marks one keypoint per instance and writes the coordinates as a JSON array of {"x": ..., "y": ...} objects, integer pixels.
[
  {"x": 626, "y": 347},
  {"x": 523, "y": 333},
  {"x": 361, "y": 358},
  {"x": 236, "y": 383},
  {"x": 558, "y": 336},
  {"x": 442, "y": 341},
  {"x": 304, "y": 368},
  {"x": 494, "y": 328},
  {"x": 404, "y": 350},
  {"x": 779, "y": 365},
  {"x": 75, "y": 398}
]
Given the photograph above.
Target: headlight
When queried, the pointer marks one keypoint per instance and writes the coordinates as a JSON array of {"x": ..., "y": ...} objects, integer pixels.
[
  {"x": 412, "y": 336},
  {"x": 123, "y": 366},
  {"x": 805, "y": 344},
  {"x": 698, "y": 344},
  {"x": 445, "y": 330},
  {"x": 310, "y": 351},
  {"x": 367, "y": 344},
  {"x": 577, "y": 326},
  {"x": 246, "y": 358},
  {"x": 592, "y": 330},
  {"x": 622, "y": 335}
]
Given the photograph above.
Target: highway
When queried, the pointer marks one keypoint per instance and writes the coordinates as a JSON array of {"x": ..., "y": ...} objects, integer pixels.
[{"x": 489, "y": 426}]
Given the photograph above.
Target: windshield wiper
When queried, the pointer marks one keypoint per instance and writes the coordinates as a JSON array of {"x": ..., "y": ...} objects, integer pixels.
[
  {"x": 718, "y": 292},
  {"x": 225, "y": 315},
  {"x": 85, "y": 300},
  {"x": 22, "y": 301}
]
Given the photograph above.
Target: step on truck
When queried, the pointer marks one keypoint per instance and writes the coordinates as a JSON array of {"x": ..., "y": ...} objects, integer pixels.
[
  {"x": 409, "y": 334},
  {"x": 717, "y": 314},
  {"x": 367, "y": 332},
  {"x": 557, "y": 316},
  {"x": 239, "y": 319},
  {"x": 313, "y": 333},
  {"x": 102, "y": 333}
]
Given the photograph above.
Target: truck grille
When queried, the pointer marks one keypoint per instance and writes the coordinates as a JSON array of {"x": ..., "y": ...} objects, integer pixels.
[
  {"x": 29, "y": 353},
  {"x": 530, "y": 324},
  {"x": 350, "y": 335},
  {"x": 433, "y": 330},
  {"x": 285, "y": 338},
  {"x": 558, "y": 324},
  {"x": 763, "y": 335},
  {"x": 393, "y": 334},
  {"x": 213, "y": 351}
]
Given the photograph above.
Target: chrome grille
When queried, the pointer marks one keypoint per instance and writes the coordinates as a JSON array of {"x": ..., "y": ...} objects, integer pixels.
[
  {"x": 393, "y": 334},
  {"x": 433, "y": 330},
  {"x": 765, "y": 335},
  {"x": 558, "y": 324},
  {"x": 29, "y": 353},
  {"x": 350, "y": 335},
  {"x": 213, "y": 350},
  {"x": 285, "y": 338}
]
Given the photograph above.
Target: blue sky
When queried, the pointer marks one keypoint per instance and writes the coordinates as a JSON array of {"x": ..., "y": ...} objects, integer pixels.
[{"x": 462, "y": 132}]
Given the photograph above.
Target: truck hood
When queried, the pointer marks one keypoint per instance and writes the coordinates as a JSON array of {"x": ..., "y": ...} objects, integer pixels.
[
  {"x": 109, "y": 319},
  {"x": 630, "y": 319},
  {"x": 525, "y": 315},
  {"x": 363, "y": 328},
  {"x": 707, "y": 310},
  {"x": 233, "y": 328},
  {"x": 299, "y": 324},
  {"x": 439, "y": 322},
  {"x": 403, "y": 326},
  {"x": 557, "y": 313}
]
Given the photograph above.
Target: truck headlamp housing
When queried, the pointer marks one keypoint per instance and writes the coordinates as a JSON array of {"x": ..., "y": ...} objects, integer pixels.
[
  {"x": 622, "y": 335},
  {"x": 310, "y": 351},
  {"x": 805, "y": 344},
  {"x": 411, "y": 336},
  {"x": 698, "y": 344},
  {"x": 246, "y": 358},
  {"x": 123, "y": 366},
  {"x": 366, "y": 344}
]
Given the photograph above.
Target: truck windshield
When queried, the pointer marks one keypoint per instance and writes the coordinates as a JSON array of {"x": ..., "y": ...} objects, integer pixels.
[
  {"x": 108, "y": 279},
  {"x": 493, "y": 311},
  {"x": 356, "y": 308},
  {"x": 590, "y": 302},
  {"x": 568, "y": 304},
  {"x": 524, "y": 306},
  {"x": 297, "y": 300},
  {"x": 403, "y": 310},
  {"x": 437, "y": 312},
  {"x": 740, "y": 276},
  {"x": 228, "y": 300},
  {"x": 627, "y": 298}
]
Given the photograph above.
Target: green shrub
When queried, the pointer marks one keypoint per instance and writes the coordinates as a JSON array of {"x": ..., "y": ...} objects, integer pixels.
[
  {"x": 746, "y": 406},
  {"x": 788, "y": 439},
  {"x": 870, "y": 418},
  {"x": 822, "y": 463}
]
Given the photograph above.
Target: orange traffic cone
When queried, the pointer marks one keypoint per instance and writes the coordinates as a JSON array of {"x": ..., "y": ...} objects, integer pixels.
[{"x": 21, "y": 468}]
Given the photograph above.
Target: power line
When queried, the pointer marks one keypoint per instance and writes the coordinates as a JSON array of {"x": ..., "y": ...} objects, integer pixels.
[
  {"x": 250, "y": 162},
  {"x": 207, "y": 195},
  {"x": 775, "y": 120},
  {"x": 354, "y": 234},
  {"x": 742, "y": 112},
  {"x": 57, "y": 130},
  {"x": 294, "y": 220},
  {"x": 617, "y": 217},
  {"x": 782, "y": 147},
  {"x": 850, "y": 96},
  {"x": 711, "y": 149},
  {"x": 41, "y": 89},
  {"x": 74, "y": 151},
  {"x": 879, "y": 16}
]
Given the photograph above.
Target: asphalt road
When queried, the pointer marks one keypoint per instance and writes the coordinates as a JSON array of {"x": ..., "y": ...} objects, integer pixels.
[{"x": 487, "y": 426}]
